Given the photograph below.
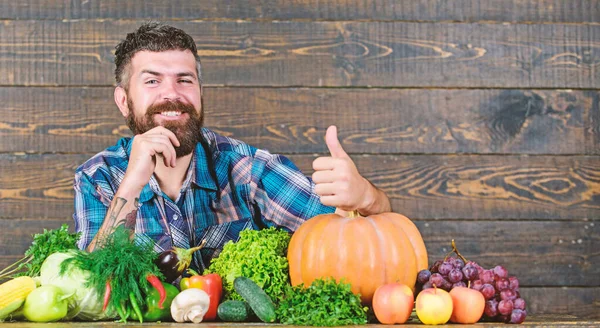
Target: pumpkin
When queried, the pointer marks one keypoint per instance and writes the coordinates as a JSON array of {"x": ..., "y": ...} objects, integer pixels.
[{"x": 366, "y": 252}]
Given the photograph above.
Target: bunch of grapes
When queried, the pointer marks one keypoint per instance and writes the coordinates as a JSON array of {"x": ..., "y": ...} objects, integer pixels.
[{"x": 501, "y": 291}]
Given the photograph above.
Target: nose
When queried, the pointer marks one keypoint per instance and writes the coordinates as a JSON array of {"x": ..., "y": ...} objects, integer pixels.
[{"x": 169, "y": 91}]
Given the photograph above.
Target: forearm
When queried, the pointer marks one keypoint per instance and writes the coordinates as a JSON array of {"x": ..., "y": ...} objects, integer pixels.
[{"x": 122, "y": 211}]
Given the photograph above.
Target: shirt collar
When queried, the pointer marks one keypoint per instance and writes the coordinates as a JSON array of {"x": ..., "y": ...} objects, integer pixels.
[{"x": 197, "y": 174}]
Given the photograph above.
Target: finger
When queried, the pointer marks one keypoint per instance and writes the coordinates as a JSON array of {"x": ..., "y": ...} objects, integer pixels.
[
  {"x": 330, "y": 200},
  {"x": 325, "y": 189},
  {"x": 333, "y": 144},
  {"x": 166, "y": 132},
  {"x": 323, "y": 176},
  {"x": 164, "y": 147},
  {"x": 324, "y": 163}
]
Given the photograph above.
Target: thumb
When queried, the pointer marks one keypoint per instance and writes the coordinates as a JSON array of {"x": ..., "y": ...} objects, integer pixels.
[{"x": 333, "y": 144}]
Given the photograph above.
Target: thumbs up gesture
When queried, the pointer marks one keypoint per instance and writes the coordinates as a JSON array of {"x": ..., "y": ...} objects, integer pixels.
[{"x": 337, "y": 180}]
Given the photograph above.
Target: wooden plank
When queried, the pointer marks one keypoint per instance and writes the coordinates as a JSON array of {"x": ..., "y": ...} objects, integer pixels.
[
  {"x": 579, "y": 302},
  {"x": 557, "y": 11},
  {"x": 320, "y": 53},
  {"x": 539, "y": 253},
  {"x": 422, "y": 187},
  {"x": 377, "y": 121}
]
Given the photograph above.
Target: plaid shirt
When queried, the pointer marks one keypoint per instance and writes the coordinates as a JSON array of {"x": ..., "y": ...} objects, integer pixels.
[{"x": 257, "y": 189}]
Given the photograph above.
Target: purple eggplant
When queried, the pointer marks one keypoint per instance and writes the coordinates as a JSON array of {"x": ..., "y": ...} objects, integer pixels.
[{"x": 172, "y": 263}]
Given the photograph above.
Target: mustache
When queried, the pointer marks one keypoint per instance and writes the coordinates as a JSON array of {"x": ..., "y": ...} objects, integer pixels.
[{"x": 168, "y": 105}]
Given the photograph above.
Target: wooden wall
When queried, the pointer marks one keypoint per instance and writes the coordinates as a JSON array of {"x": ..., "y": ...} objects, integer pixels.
[{"x": 479, "y": 118}]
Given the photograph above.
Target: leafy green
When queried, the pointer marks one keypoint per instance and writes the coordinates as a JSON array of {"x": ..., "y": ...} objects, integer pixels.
[
  {"x": 44, "y": 244},
  {"x": 259, "y": 255},
  {"x": 85, "y": 303},
  {"x": 120, "y": 260},
  {"x": 324, "y": 303}
]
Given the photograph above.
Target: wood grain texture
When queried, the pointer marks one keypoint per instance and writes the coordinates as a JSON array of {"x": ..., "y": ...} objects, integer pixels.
[
  {"x": 375, "y": 121},
  {"x": 320, "y": 53},
  {"x": 539, "y": 253},
  {"x": 557, "y": 11},
  {"x": 422, "y": 187}
]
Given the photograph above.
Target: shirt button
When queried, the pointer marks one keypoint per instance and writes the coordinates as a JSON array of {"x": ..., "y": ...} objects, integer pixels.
[{"x": 175, "y": 217}]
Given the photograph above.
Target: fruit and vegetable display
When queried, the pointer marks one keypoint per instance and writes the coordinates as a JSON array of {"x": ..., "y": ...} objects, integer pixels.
[{"x": 333, "y": 271}]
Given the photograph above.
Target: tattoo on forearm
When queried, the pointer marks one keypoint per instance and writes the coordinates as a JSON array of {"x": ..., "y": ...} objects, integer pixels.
[
  {"x": 130, "y": 218},
  {"x": 116, "y": 219}
]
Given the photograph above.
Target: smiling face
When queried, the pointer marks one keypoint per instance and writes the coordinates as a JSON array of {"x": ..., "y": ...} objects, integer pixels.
[{"x": 163, "y": 89}]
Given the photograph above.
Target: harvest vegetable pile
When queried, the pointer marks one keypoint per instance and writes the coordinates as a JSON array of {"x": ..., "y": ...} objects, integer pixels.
[{"x": 332, "y": 271}]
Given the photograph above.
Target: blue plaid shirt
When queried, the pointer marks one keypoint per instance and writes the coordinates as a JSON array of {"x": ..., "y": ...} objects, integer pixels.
[{"x": 257, "y": 189}]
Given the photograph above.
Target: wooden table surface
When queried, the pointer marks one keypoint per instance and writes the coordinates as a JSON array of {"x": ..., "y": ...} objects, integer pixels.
[{"x": 533, "y": 321}]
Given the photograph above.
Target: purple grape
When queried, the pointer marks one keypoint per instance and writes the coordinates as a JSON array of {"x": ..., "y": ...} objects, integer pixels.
[
  {"x": 488, "y": 291},
  {"x": 470, "y": 272},
  {"x": 436, "y": 279},
  {"x": 502, "y": 284},
  {"x": 455, "y": 275},
  {"x": 459, "y": 264},
  {"x": 519, "y": 304},
  {"x": 518, "y": 316},
  {"x": 450, "y": 260},
  {"x": 423, "y": 276},
  {"x": 445, "y": 268},
  {"x": 435, "y": 266},
  {"x": 505, "y": 307},
  {"x": 427, "y": 285},
  {"x": 477, "y": 285},
  {"x": 487, "y": 276},
  {"x": 502, "y": 318},
  {"x": 447, "y": 286},
  {"x": 476, "y": 266},
  {"x": 514, "y": 283},
  {"x": 508, "y": 294},
  {"x": 500, "y": 271},
  {"x": 459, "y": 284},
  {"x": 491, "y": 308}
]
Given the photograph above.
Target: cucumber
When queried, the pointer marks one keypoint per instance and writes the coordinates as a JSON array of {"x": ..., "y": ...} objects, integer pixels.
[
  {"x": 257, "y": 299},
  {"x": 233, "y": 311}
]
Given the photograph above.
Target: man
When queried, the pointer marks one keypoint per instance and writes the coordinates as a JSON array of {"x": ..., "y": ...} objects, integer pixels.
[{"x": 177, "y": 183}]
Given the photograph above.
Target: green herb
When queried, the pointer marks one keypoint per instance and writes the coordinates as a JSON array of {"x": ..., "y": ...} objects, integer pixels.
[
  {"x": 323, "y": 303},
  {"x": 259, "y": 255},
  {"x": 123, "y": 262},
  {"x": 43, "y": 245}
]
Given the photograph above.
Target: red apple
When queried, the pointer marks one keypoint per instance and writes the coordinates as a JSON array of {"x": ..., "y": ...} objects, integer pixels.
[
  {"x": 434, "y": 306},
  {"x": 393, "y": 303},
  {"x": 468, "y": 305}
]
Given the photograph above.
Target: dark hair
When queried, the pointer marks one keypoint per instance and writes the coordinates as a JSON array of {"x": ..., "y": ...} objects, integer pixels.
[{"x": 152, "y": 36}]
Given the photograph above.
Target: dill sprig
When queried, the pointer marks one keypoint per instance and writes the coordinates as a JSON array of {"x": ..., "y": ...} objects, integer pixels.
[{"x": 123, "y": 262}]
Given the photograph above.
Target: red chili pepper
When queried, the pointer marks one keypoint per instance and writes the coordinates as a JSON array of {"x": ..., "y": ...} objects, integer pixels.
[
  {"x": 153, "y": 280},
  {"x": 106, "y": 295}
]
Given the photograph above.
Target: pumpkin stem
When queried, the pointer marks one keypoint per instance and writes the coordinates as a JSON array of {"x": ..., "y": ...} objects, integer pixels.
[{"x": 353, "y": 214}]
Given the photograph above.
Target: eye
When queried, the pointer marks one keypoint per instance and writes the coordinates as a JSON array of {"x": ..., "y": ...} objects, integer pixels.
[
  {"x": 151, "y": 82},
  {"x": 186, "y": 81}
]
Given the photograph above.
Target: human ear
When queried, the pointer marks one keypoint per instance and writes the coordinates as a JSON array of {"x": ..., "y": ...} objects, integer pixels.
[{"x": 121, "y": 100}]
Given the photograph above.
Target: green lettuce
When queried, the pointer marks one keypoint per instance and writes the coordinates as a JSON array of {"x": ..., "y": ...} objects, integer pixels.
[{"x": 259, "y": 255}]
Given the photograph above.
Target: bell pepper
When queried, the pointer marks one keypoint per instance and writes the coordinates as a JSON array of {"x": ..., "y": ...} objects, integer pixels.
[
  {"x": 152, "y": 311},
  {"x": 212, "y": 285}
]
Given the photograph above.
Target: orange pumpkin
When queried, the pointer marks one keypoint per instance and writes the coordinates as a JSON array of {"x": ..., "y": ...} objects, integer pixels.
[{"x": 366, "y": 251}]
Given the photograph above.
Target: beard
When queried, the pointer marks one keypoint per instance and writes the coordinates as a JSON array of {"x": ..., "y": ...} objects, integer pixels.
[{"x": 189, "y": 133}]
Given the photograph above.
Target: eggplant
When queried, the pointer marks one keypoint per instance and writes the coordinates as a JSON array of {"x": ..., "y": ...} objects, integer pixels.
[{"x": 172, "y": 263}]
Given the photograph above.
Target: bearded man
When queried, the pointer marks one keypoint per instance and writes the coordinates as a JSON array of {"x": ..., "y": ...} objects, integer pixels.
[{"x": 178, "y": 183}]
